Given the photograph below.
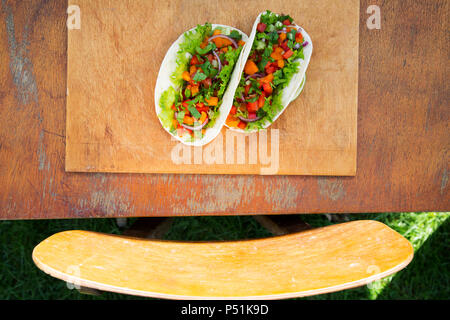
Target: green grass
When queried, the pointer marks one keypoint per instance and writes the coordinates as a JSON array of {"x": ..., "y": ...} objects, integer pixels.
[{"x": 427, "y": 277}]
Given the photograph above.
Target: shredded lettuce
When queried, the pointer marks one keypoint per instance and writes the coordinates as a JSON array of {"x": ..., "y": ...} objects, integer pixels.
[
  {"x": 165, "y": 102},
  {"x": 231, "y": 56},
  {"x": 192, "y": 40}
]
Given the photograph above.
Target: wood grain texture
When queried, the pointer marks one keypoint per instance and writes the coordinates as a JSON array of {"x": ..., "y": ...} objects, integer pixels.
[
  {"x": 289, "y": 266},
  {"x": 113, "y": 63},
  {"x": 403, "y": 125}
]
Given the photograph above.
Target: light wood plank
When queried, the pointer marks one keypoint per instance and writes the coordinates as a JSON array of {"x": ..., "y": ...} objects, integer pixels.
[{"x": 312, "y": 262}]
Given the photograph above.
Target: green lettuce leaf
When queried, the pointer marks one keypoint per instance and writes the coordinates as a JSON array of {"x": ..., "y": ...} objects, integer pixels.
[
  {"x": 192, "y": 39},
  {"x": 165, "y": 102},
  {"x": 231, "y": 56}
]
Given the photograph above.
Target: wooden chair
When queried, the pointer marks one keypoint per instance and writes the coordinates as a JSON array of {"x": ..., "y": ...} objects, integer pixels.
[{"x": 300, "y": 264}]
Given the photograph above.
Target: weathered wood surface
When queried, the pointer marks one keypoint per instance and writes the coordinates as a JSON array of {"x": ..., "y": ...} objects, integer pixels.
[
  {"x": 403, "y": 131},
  {"x": 299, "y": 264},
  {"x": 112, "y": 68}
]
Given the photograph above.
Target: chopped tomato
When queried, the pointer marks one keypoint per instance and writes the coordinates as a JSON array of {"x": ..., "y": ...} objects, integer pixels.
[
  {"x": 299, "y": 37},
  {"x": 271, "y": 68},
  {"x": 286, "y": 22},
  {"x": 206, "y": 83},
  {"x": 242, "y": 125},
  {"x": 203, "y": 109},
  {"x": 192, "y": 70},
  {"x": 247, "y": 88},
  {"x": 261, "y": 101},
  {"x": 194, "y": 60},
  {"x": 252, "y": 106},
  {"x": 252, "y": 115},
  {"x": 233, "y": 110},
  {"x": 267, "y": 88},
  {"x": 261, "y": 27},
  {"x": 173, "y": 107},
  {"x": 185, "y": 104},
  {"x": 284, "y": 46},
  {"x": 287, "y": 54}
]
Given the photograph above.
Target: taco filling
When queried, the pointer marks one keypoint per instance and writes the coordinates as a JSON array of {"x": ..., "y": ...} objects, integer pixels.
[
  {"x": 273, "y": 60},
  {"x": 205, "y": 62}
]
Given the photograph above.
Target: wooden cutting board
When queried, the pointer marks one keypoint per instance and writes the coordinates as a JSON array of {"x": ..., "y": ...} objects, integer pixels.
[{"x": 113, "y": 62}]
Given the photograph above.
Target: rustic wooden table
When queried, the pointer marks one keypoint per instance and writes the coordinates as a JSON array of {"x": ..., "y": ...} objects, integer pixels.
[{"x": 403, "y": 134}]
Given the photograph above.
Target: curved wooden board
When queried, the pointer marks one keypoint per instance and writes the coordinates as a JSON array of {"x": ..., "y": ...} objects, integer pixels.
[{"x": 313, "y": 262}]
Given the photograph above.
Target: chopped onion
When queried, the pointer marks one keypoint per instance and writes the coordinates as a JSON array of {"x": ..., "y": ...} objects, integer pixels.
[
  {"x": 255, "y": 75},
  {"x": 297, "y": 46},
  {"x": 249, "y": 120},
  {"x": 226, "y": 37},
  {"x": 195, "y": 128},
  {"x": 218, "y": 61},
  {"x": 305, "y": 44}
]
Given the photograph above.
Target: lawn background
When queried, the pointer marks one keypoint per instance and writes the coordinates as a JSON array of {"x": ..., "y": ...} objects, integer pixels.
[{"x": 426, "y": 277}]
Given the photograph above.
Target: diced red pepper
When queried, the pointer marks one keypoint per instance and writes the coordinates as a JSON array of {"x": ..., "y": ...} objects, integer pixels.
[
  {"x": 252, "y": 115},
  {"x": 261, "y": 101},
  {"x": 284, "y": 46},
  {"x": 271, "y": 68},
  {"x": 242, "y": 125},
  {"x": 252, "y": 106},
  {"x": 173, "y": 107},
  {"x": 261, "y": 27},
  {"x": 288, "y": 53},
  {"x": 267, "y": 88},
  {"x": 286, "y": 22},
  {"x": 233, "y": 110}
]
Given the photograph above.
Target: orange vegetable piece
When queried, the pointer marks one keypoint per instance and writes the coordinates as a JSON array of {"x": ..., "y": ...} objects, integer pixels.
[
  {"x": 216, "y": 32},
  {"x": 175, "y": 123},
  {"x": 280, "y": 63},
  {"x": 186, "y": 76},
  {"x": 250, "y": 67},
  {"x": 267, "y": 79},
  {"x": 212, "y": 101},
  {"x": 203, "y": 117},
  {"x": 241, "y": 43},
  {"x": 194, "y": 90},
  {"x": 188, "y": 120},
  {"x": 232, "y": 122},
  {"x": 192, "y": 70},
  {"x": 283, "y": 36},
  {"x": 276, "y": 55}
]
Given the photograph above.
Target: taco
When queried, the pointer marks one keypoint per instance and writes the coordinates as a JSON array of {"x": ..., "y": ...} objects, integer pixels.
[
  {"x": 196, "y": 82},
  {"x": 274, "y": 73}
]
